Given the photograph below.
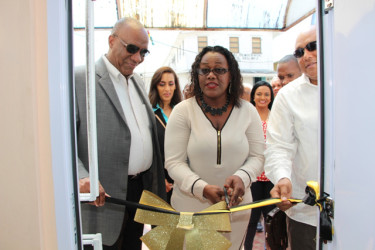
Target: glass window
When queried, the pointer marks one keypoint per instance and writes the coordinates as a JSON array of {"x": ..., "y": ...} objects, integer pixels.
[
  {"x": 202, "y": 42},
  {"x": 234, "y": 46},
  {"x": 257, "y": 45}
]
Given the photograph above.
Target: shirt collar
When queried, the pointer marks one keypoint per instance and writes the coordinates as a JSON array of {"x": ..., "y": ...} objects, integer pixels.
[
  {"x": 157, "y": 107},
  {"x": 307, "y": 79},
  {"x": 113, "y": 71}
]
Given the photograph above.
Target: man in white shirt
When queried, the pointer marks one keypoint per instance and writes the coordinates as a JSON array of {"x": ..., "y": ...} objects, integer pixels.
[
  {"x": 288, "y": 69},
  {"x": 292, "y": 143},
  {"x": 129, "y": 159}
]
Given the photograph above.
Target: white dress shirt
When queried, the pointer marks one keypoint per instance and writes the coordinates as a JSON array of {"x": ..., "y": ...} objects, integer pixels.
[
  {"x": 136, "y": 118},
  {"x": 293, "y": 142}
]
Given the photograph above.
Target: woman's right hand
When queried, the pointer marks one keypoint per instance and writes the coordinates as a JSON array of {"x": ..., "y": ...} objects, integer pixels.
[{"x": 213, "y": 193}]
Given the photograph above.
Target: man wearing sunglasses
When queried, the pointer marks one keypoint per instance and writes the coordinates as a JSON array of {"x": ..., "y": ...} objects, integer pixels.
[
  {"x": 129, "y": 159},
  {"x": 292, "y": 144}
]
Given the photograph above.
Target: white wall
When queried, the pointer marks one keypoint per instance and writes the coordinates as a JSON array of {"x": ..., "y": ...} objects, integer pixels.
[
  {"x": 27, "y": 211},
  {"x": 284, "y": 42}
]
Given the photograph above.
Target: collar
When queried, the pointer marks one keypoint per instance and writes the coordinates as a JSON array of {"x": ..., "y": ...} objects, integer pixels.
[
  {"x": 157, "y": 107},
  {"x": 113, "y": 71},
  {"x": 162, "y": 112}
]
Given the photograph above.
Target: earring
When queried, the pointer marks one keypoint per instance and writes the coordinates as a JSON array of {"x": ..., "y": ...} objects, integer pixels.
[{"x": 229, "y": 87}]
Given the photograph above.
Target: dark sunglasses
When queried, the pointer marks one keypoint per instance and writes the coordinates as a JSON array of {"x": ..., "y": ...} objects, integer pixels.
[
  {"x": 217, "y": 71},
  {"x": 311, "y": 46},
  {"x": 132, "y": 49}
]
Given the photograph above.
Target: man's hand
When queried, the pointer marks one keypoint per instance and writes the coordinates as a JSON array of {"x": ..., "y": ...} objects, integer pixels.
[
  {"x": 213, "y": 193},
  {"x": 283, "y": 190},
  {"x": 236, "y": 189},
  {"x": 84, "y": 187}
]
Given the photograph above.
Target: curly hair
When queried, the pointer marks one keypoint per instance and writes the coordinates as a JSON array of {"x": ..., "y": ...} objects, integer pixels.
[
  {"x": 153, "y": 95},
  {"x": 236, "y": 87},
  {"x": 257, "y": 85}
]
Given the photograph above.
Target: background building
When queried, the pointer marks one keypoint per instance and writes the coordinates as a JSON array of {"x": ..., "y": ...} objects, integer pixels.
[{"x": 257, "y": 51}]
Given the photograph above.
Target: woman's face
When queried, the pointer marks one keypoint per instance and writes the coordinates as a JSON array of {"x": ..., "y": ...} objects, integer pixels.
[
  {"x": 214, "y": 84},
  {"x": 262, "y": 97},
  {"x": 166, "y": 87}
]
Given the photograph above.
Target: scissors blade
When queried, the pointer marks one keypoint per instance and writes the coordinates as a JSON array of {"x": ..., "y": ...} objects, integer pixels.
[{"x": 226, "y": 197}]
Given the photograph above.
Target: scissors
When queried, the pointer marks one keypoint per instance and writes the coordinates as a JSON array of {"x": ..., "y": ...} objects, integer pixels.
[{"x": 226, "y": 197}]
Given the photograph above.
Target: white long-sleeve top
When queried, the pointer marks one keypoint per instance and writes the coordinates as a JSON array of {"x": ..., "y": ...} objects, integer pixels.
[
  {"x": 293, "y": 142},
  {"x": 191, "y": 149},
  {"x": 197, "y": 154}
]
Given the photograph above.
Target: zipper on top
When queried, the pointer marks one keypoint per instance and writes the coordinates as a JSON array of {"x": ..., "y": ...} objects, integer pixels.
[{"x": 218, "y": 160}]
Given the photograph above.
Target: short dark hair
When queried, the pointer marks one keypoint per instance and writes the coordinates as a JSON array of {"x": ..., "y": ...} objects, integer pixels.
[
  {"x": 288, "y": 58},
  {"x": 236, "y": 87},
  {"x": 257, "y": 85},
  {"x": 154, "y": 94}
]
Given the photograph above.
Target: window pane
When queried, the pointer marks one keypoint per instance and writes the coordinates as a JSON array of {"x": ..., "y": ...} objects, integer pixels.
[{"x": 257, "y": 46}]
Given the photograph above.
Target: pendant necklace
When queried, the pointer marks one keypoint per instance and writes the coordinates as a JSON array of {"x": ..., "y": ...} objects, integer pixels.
[{"x": 214, "y": 111}]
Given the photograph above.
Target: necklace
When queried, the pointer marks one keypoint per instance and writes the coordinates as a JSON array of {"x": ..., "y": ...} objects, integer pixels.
[{"x": 214, "y": 111}]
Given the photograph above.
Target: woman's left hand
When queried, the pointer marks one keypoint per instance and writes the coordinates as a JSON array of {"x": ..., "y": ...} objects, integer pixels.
[{"x": 236, "y": 189}]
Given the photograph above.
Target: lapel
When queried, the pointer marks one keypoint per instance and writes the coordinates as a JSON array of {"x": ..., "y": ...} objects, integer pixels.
[
  {"x": 141, "y": 92},
  {"x": 106, "y": 83},
  {"x": 104, "y": 80}
]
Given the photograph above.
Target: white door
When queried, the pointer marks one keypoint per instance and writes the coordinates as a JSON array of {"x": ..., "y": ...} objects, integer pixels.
[
  {"x": 349, "y": 66},
  {"x": 60, "y": 57}
]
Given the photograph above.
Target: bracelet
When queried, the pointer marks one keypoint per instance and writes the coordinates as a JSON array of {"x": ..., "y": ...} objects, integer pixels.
[
  {"x": 247, "y": 174},
  {"x": 192, "y": 186}
]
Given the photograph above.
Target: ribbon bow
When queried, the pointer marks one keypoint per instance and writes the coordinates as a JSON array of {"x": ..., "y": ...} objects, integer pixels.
[
  {"x": 325, "y": 204},
  {"x": 199, "y": 230}
]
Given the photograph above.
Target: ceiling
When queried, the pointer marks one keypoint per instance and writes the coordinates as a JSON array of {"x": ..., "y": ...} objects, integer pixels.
[{"x": 199, "y": 14}]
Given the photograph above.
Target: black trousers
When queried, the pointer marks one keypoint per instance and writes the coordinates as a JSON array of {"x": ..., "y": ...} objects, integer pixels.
[
  {"x": 131, "y": 231},
  {"x": 260, "y": 190},
  {"x": 301, "y": 235}
]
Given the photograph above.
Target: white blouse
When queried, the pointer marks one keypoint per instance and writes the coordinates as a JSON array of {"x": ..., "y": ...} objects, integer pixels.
[
  {"x": 196, "y": 154},
  {"x": 192, "y": 152}
]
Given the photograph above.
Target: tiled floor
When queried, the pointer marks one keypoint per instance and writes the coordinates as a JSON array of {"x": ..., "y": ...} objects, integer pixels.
[{"x": 259, "y": 241}]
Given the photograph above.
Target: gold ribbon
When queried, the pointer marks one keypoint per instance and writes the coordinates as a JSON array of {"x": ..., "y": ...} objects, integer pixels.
[{"x": 198, "y": 231}]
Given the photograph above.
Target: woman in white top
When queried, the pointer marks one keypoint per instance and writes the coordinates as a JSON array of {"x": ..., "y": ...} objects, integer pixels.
[{"x": 214, "y": 140}]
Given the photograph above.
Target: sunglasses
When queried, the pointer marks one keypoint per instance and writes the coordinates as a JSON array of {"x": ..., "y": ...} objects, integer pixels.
[
  {"x": 132, "y": 49},
  {"x": 216, "y": 71},
  {"x": 301, "y": 51}
]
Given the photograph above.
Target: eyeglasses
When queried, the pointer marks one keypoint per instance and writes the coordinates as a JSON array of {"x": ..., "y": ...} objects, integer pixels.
[
  {"x": 132, "y": 49},
  {"x": 216, "y": 71},
  {"x": 301, "y": 51}
]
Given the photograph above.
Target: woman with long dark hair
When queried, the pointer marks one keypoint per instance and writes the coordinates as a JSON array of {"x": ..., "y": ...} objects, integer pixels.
[
  {"x": 164, "y": 94},
  {"x": 262, "y": 98}
]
